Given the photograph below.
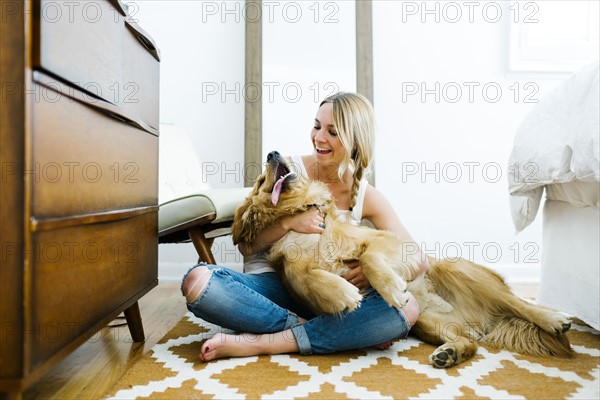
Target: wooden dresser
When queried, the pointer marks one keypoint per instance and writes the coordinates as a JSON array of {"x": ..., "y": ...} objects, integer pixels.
[{"x": 79, "y": 184}]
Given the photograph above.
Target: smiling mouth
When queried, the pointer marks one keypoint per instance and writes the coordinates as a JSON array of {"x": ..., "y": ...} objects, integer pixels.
[{"x": 322, "y": 151}]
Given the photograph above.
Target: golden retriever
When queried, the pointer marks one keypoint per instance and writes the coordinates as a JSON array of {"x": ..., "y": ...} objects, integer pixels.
[{"x": 461, "y": 303}]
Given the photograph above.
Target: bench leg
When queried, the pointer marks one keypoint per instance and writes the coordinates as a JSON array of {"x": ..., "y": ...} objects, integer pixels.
[{"x": 202, "y": 245}]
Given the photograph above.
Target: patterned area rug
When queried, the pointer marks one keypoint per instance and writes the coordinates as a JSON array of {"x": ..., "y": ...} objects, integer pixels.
[{"x": 172, "y": 370}]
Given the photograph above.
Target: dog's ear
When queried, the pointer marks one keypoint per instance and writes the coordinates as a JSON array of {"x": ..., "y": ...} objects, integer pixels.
[
  {"x": 251, "y": 218},
  {"x": 241, "y": 230}
]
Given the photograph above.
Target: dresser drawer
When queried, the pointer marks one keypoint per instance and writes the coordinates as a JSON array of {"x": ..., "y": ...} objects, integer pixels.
[
  {"x": 85, "y": 161},
  {"x": 82, "y": 274},
  {"x": 91, "y": 45}
]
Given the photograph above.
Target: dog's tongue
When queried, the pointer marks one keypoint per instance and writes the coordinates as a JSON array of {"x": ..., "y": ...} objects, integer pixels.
[{"x": 277, "y": 188}]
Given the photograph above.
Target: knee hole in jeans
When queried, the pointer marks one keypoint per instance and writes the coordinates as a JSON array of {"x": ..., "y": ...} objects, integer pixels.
[
  {"x": 411, "y": 310},
  {"x": 195, "y": 283}
]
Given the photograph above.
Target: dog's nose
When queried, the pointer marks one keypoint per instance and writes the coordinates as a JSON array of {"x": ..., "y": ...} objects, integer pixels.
[{"x": 272, "y": 154}]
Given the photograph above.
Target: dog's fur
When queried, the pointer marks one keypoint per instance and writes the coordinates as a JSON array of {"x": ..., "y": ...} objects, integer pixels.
[{"x": 461, "y": 303}]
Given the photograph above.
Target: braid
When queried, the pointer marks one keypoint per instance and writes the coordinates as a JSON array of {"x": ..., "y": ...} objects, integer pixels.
[
  {"x": 356, "y": 178},
  {"x": 354, "y": 121}
]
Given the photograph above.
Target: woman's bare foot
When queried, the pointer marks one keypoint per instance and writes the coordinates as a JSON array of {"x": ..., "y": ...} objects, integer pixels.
[
  {"x": 223, "y": 345},
  {"x": 384, "y": 346}
]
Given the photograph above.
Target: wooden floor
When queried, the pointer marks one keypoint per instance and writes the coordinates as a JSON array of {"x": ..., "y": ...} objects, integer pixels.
[{"x": 91, "y": 370}]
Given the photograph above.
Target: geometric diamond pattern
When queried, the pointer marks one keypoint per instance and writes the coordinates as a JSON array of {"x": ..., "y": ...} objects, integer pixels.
[{"x": 173, "y": 370}]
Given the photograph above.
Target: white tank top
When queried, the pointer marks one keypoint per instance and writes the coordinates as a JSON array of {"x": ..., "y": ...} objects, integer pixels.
[{"x": 257, "y": 263}]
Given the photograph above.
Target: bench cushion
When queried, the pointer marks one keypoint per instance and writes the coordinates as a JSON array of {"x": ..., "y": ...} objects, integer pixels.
[{"x": 221, "y": 203}]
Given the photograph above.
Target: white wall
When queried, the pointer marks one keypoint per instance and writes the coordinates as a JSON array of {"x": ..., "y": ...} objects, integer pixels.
[
  {"x": 308, "y": 54},
  {"x": 451, "y": 215},
  {"x": 442, "y": 151},
  {"x": 202, "y": 65},
  {"x": 202, "y": 79},
  {"x": 202, "y": 76}
]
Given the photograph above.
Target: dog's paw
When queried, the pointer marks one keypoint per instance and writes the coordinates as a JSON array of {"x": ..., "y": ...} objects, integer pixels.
[
  {"x": 399, "y": 300},
  {"x": 352, "y": 299},
  {"x": 557, "y": 323},
  {"x": 352, "y": 306},
  {"x": 395, "y": 294},
  {"x": 347, "y": 298},
  {"x": 444, "y": 357}
]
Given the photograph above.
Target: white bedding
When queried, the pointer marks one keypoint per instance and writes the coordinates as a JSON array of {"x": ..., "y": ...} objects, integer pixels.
[{"x": 558, "y": 142}]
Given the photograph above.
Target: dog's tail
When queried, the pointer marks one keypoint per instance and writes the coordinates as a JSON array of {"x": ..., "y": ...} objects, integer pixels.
[{"x": 521, "y": 336}]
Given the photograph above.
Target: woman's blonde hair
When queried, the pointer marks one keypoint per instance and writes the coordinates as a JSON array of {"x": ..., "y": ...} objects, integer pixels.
[{"x": 354, "y": 121}]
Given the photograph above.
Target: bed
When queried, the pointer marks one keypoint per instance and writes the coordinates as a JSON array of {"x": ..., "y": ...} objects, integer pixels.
[{"x": 555, "y": 154}]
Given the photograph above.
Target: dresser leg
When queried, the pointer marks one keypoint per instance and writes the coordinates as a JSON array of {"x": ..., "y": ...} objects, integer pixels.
[
  {"x": 11, "y": 395},
  {"x": 134, "y": 321}
]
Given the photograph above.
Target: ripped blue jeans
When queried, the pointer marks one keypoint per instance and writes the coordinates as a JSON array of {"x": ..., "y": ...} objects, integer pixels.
[{"x": 259, "y": 303}]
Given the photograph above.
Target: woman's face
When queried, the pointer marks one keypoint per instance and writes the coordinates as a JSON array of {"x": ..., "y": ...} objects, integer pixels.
[{"x": 326, "y": 141}]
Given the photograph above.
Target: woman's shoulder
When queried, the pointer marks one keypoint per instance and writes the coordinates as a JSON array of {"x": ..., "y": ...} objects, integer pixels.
[
  {"x": 299, "y": 163},
  {"x": 375, "y": 203}
]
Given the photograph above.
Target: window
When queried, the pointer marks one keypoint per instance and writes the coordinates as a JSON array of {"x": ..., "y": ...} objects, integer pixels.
[{"x": 552, "y": 36}]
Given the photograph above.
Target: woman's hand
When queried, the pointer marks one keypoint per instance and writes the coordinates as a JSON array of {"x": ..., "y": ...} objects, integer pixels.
[
  {"x": 310, "y": 221},
  {"x": 424, "y": 265},
  {"x": 355, "y": 276}
]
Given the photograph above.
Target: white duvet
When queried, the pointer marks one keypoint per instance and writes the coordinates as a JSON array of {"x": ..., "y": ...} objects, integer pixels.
[{"x": 557, "y": 142}]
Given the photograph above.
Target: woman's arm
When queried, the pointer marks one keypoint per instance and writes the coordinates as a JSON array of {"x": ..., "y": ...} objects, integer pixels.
[
  {"x": 378, "y": 210},
  {"x": 307, "y": 222},
  {"x": 264, "y": 239}
]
